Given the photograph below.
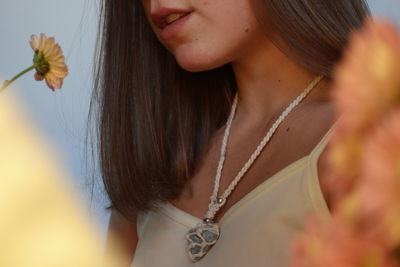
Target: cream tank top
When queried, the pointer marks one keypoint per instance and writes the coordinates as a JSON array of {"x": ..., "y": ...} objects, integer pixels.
[{"x": 256, "y": 231}]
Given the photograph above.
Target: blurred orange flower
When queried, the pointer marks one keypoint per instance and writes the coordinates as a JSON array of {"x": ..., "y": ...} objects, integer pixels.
[
  {"x": 48, "y": 61},
  {"x": 366, "y": 86},
  {"x": 346, "y": 240},
  {"x": 367, "y": 81},
  {"x": 339, "y": 244},
  {"x": 379, "y": 183},
  {"x": 364, "y": 159}
]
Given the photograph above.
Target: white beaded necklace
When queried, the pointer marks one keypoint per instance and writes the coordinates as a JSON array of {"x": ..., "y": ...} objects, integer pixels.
[{"x": 202, "y": 237}]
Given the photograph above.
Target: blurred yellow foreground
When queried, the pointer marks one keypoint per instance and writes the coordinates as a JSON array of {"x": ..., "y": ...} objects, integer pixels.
[{"x": 41, "y": 221}]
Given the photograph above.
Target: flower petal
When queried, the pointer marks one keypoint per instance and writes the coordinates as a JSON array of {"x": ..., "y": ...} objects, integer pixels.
[
  {"x": 34, "y": 42},
  {"x": 60, "y": 73},
  {"x": 59, "y": 58},
  {"x": 56, "y": 64},
  {"x": 56, "y": 51},
  {"x": 42, "y": 41},
  {"x": 49, "y": 46},
  {"x": 53, "y": 82}
]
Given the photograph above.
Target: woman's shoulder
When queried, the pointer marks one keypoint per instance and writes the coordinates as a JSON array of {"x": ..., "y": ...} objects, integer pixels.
[
  {"x": 123, "y": 232},
  {"x": 319, "y": 157},
  {"x": 321, "y": 124}
]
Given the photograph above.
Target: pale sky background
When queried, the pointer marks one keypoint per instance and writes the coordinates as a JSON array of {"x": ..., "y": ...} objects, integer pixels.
[{"x": 62, "y": 115}]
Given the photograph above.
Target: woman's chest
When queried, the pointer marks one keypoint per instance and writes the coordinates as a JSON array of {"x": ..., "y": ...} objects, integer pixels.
[
  {"x": 291, "y": 142},
  {"x": 275, "y": 159},
  {"x": 254, "y": 232}
]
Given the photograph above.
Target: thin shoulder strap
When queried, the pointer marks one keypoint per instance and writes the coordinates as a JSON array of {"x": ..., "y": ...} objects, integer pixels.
[{"x": 324, "y": 141}]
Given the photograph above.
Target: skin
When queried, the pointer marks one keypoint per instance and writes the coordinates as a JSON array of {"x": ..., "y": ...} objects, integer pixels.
[{"x": 226, "y": 31}]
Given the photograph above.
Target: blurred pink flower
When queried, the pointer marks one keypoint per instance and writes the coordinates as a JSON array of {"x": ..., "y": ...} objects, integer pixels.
[
  {"x": 344, "y": 159},
  {"x": 366, "y": 86},
  {"x": 363, "y": 160},
  {"x": 367, "y": 80},
  {"x": 379, "y": 183},
  {"x": 345, "y": 240}
]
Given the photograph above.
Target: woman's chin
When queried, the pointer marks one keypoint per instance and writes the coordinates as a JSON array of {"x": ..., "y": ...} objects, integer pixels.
[{"x": 197, "y": 64}]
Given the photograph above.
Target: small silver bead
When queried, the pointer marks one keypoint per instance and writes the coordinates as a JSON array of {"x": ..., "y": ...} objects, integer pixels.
[
  {"x": 220, "y": 200},
  {"x": 207, "y": 220}
]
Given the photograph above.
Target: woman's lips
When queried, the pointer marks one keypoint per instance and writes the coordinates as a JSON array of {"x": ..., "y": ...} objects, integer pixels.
[{"x": 172, "y": 29}]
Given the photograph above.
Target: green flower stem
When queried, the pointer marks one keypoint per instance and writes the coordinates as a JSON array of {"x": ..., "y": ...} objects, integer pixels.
[{"x": 7, "y": 83}]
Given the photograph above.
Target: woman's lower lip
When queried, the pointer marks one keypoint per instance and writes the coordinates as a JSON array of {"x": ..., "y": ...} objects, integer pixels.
[{"x": 174, "y": 27}]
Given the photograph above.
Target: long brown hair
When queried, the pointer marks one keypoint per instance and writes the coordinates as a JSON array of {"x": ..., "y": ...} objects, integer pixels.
[{"x": 155, "y": 120}]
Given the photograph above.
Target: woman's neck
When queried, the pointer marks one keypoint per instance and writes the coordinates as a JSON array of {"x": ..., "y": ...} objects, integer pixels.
[{"x": 267, "y": 82}]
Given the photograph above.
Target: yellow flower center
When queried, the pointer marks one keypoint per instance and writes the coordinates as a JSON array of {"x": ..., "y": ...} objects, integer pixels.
[{"x": 40, "y": 62}]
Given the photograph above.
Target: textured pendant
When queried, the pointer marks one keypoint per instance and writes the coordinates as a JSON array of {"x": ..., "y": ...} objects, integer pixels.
[{"x": 200, "y": 239}]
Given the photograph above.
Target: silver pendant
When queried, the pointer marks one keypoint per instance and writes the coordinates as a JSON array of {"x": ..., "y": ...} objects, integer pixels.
[{"x": 200, "y": 239}]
